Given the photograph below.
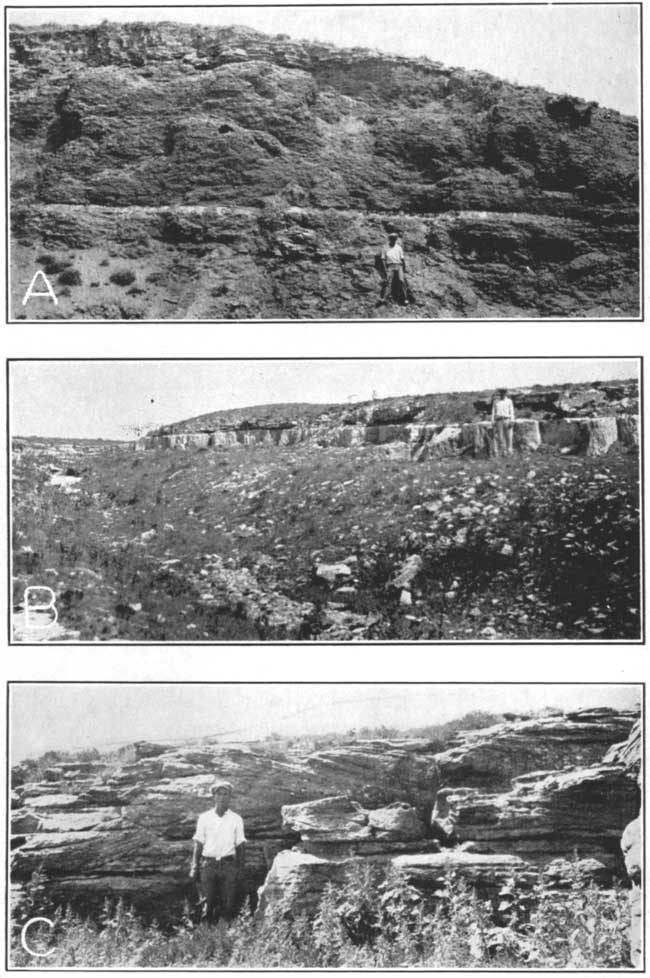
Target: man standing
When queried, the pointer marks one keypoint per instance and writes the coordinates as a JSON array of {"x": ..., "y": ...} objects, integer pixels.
[
  {"x": 394, "y": 262},
  {"x": 218, "y": 858},
  {"x": 503, "y": 422}
]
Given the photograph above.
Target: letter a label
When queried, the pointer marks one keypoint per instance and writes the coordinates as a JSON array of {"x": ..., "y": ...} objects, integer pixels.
[{"x": 48, "y": 289}]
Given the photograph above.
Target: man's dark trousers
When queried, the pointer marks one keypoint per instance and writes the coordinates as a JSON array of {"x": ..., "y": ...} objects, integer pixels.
[{"x": 218, "y": 886}]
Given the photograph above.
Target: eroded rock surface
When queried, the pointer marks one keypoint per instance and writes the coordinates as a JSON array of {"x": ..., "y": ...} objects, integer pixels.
[
  {"x": 122, "y": 825},
  {"x": 193, "y": 173},
  {"x": 583, "y": 420}
]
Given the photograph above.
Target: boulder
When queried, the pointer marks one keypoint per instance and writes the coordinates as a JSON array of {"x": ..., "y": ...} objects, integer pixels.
[
  {"x": 628, "y": 430},
  {"x": 491, "y": 757},
  {"x": 478, "y": 438},
  {"x": 526, "y": 435},
  {"x": 332, "y": 572},
  {"x": 335, "y": 819},
  {"x": 599, "y": 435},
  {"x": 407, "y": 572},
  {"x": 545, "y": 815},
  {"x": 584, "y": 436},
  {"x": 632, "y": 847},
  {"x": 484, "y": 873}
]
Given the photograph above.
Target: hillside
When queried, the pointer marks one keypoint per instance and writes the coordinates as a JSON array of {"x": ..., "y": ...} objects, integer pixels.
[
  {"x": 541, "y": 402},
  {"x": 383, "y": 540},
  {"x": 166, "y": 171}
]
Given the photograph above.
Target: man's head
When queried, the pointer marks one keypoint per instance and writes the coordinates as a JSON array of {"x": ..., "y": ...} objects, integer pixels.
[
  {"x": 392, "y": 239},
  {"x": 502, "y": 392},
  {"x": 221, "y": 795}
]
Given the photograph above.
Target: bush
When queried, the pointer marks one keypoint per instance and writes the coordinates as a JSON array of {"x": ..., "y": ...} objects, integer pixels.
[
  {"x": 122, "y": 277},
  {"x": 372, "y": 921},
  {"x": 52, "y": 264},
  {"x": 70, "y": 277}
]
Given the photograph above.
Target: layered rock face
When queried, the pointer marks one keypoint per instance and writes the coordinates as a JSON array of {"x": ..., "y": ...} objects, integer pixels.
[
  {"x": 543, "y": 820},
  {"x": 586, "y": 421},
  {"x": 237, "y": 175},
  {"x": 123, "y": 825}
]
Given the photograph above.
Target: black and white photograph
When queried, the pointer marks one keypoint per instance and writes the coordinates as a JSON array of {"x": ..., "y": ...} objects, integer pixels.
[
  {"x": 325, "y": 500},
  {"x": 324, "y": 162},
  {"x": 355, "y": 826}
]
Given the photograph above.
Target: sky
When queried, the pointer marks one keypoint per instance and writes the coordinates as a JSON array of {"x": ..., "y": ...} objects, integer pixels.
[
  {"x": 109, "y": 398},
  {"x": 75, "y": 716},
  {"x": 589, "y": 50}
]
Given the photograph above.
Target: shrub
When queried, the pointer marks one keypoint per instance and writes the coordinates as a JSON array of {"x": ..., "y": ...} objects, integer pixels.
[
  {"x": 369, "y": 922},
  {"x": 70, "y": 277},
  {"x": 53, "y": 263},
  {"x": 123, "y": 276}
]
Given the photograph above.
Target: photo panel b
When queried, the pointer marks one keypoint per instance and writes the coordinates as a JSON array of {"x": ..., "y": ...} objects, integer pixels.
[{"x": 326, "y": 500}]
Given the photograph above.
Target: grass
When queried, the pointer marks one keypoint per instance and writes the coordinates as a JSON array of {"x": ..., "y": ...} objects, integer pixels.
[
  {"x": 223, "y": 544},
  {"x": 375, "y": 920}
]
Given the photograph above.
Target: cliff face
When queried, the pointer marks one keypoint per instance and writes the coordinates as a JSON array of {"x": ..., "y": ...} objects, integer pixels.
[
  {"x": 239, "y": 176},
  {"x": 122, "y": 825},
  {"x": 585, "y": 420}
]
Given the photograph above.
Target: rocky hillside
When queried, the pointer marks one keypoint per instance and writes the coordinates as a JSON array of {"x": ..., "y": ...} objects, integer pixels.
[
  {"x": 169, "y": 171},
  {"x": 522, "y": 795}
]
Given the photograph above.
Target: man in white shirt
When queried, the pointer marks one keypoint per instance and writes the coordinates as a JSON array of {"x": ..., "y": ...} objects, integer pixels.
[
  {"x": 392, "y": 256},
  {"x": 503, "y": 422},
  {"x": 218, "y": 858}
]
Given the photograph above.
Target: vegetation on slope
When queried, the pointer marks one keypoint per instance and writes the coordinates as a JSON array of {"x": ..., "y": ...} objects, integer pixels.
[
  {"x": 373, "y": 921},
  {"x": 225, "y": 545}
]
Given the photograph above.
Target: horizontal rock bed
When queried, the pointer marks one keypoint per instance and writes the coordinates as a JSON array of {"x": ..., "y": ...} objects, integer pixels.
[
  {"x": 520, "y": 796},
  {"x": 587, "y": 436}
]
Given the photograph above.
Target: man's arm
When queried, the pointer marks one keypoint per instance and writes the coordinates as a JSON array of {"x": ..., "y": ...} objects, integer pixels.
[
  {"x": 511, "y": 410},
  {"x": 196, "y": 858},
  {"x": 240, "y": 856}
]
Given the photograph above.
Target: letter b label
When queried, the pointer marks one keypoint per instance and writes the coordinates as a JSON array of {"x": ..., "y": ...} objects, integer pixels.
[{"x": 34, "y": 606}]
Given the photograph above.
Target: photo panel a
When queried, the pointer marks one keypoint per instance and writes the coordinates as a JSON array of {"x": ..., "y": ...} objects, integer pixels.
[{"x": 324, "y": 162}]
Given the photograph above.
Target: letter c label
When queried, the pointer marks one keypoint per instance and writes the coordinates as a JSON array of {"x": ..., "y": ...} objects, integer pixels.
[{"x": 23, "y": 937}]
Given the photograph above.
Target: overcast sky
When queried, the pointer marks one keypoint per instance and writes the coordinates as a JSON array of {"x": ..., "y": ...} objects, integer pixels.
[
  {"x": 103, "y": 398},
  {"x": 590, "y": 50},
  {"x": 66, "y": 716}
]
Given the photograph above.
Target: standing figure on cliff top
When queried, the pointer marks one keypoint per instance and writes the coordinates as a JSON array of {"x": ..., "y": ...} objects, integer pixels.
[
  {"x": 503, "y": 422},
  {"x": 218, "y": 857},
  {"x": 394, "y": 264}
]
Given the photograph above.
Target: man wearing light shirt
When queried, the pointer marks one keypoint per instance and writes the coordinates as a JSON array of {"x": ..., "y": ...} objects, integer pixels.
[
  {"x": 218, "y": 858},
  {"x": 394, "y": 263},
  {"x": 503, "y": 422}
]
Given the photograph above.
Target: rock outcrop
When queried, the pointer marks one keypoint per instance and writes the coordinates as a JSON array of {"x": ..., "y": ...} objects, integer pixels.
[
  {"x": 584, "y": 419},
  {"x": 517, "y": 797},
  {"x": 576, "y": 436},
  {"x": 122, "y": 826},
  {"x": 195, "y": 173}
]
